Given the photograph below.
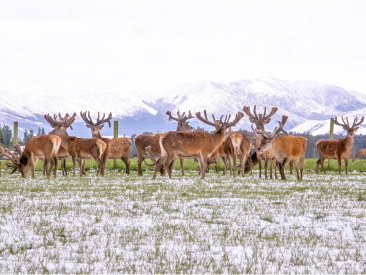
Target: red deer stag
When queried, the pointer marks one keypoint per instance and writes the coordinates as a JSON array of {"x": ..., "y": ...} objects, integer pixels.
[
  {"x": 118, "y": 148},
  {"x": 361, "y": 154},
  {"x": 259, "y": 122},
  {"x": 78, "y": 148},
  {"x": 284, "y": 149},
  {"x": 142, "y": 141},
  {"x": 62, "y": 154},
  {"x": 40, "y": 147},
  {"x": 201, "y": 145},
  {"x": 338, "y": 149}
]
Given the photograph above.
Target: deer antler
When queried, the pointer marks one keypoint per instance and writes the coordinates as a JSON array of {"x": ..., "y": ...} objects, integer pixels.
[
  {"x": 181, "y": 117},
  {"x": 12, "y": 157},
  {"x": 344, "y": 125},
  {"x": 355, "y": 124},
  {"x": 262, "y": 119},
  {"x": 223, "y": 124},
  {"x": 278, "y": 130},
  {"x": 89, "y": 121},
  {"x": 185, "y": 118}
]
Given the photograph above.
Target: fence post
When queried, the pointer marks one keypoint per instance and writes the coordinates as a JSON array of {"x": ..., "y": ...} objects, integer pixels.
[
  {"x": 15, "y": 138},
  {"x": 331, "y": 135},
  {"x": 115, "y": 135}
]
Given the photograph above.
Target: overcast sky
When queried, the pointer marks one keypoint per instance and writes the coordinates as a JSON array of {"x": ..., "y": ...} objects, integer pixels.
[{"x": 152, "y": 46}]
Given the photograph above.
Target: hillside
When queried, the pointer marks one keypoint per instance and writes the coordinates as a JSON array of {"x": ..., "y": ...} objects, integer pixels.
[{"x": 309, "y": 105}]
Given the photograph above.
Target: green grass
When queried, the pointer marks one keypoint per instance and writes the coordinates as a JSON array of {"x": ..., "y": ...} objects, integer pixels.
[{"x": 309, "y": 165}]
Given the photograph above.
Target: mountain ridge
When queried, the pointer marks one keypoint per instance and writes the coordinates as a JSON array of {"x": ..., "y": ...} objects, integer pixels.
[{"x": 308, "y": 104}]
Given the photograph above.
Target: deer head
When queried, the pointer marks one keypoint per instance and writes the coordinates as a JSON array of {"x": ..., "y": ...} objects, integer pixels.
[
  {"x": 182, "y": 121},
  {"x": 17, "y": 160},
  {"x": 350, "y": 130},
  {"x": 267, "y": 140},
  {"x": 97, "y": 126}
]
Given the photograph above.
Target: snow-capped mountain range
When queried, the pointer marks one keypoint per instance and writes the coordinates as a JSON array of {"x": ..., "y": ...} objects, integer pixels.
[{"x": 309, "y": 105}]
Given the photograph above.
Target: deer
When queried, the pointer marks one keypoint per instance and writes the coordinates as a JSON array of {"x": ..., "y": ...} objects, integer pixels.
[
  {"x": 259, "y": 122},
  {"x": 241, "y": 147},
  {"x": 285, "y": 149},
  {"x": 78, "y": 148},
  {"x": 361, "y": 154},
  {"x": 118, "y": 148},
  {"x": 338, "y": 149},
  {"x": 143, "y": 141},
  {"x": 39, "y": 147},
  {"x": 201, "y": 145},
  {"x": 226, "y": 153}
]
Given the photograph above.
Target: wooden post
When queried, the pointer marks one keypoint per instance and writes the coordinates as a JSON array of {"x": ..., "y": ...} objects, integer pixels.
[
  {"x": 115, "y": 135},
  {"x": 331, "y": 135},
  {"x": 15, "y": 138}
]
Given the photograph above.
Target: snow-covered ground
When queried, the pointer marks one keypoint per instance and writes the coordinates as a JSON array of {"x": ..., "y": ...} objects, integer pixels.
[{"x": 184, "y": 225}]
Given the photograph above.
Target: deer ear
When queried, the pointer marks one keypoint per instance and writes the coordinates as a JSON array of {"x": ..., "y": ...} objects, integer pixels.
[
  {"x": 357, "y": 128},
  {"x": 89, "y": 126},
  {"x": 101, "y": 126}
]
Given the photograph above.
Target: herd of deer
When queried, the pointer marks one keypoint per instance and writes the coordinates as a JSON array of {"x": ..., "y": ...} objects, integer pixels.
[{"x": 205, "y": 147}]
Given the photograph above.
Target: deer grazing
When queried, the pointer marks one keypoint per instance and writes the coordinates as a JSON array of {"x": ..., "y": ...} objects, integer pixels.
[
  {"x": 40, "y": 147},
  {"x": 201, "y": 145},
  {"x": 361, "y": 154},
  {"x": 143, "y": 141},
  {"x": 77, "y": 148},
  {"x": 285, "y": 149},
  {"x": 338, "y": 149},
  {"x": 259, "y": 122},
  {"x": 118, "y": 148}
]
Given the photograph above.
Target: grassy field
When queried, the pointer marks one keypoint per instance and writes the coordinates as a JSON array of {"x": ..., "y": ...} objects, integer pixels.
[{"x": 134, "y": 224}]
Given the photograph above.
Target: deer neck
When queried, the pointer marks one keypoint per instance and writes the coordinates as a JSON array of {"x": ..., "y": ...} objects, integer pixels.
[
  {"x": 96, "y": 135},
  {"x": 349, "y": 140}
]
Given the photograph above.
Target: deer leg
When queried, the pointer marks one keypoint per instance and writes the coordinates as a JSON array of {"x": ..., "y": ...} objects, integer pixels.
[
  {"x": 74, "y": 165},
  {"x": 275, "y": 168},
  {"x": 339, "y": 164},
  {"x": 44, "y": 167},
  {"x": 126, "y": 160},
  {"x": 317, "y": 166},
  {"x": 229, "y": 162},
  {"x": 204, "y": 166},
  {"x": 260, "y": 166},
  {"x": 302, "y": 165},
  {"x": 55, "y": 160},
  {"x": 346, "y": 165},
  {"x": 242, "y": 164},
  {"x": 49, "y": 171},
  {"x": 282, "y": 171},
  {"x": 234, "y": 163},
  {"x": 159, "y": 166},
  {"x": 265, "y": 167},
  {"x": 224, "y": 159},
  {"x": 296, "y": 163},
  {"x": 182, "y": 165},
  {"x": 171, "y": 166},
  {"x": 291, "y": 167},
  {"x": 33, "y": 163},
  {"x": 140, "y": 159}
]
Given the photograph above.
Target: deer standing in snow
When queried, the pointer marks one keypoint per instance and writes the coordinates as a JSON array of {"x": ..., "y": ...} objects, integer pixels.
[
  {"x": 118, "y": 148},
  {"x": 338, "y": 149}
]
